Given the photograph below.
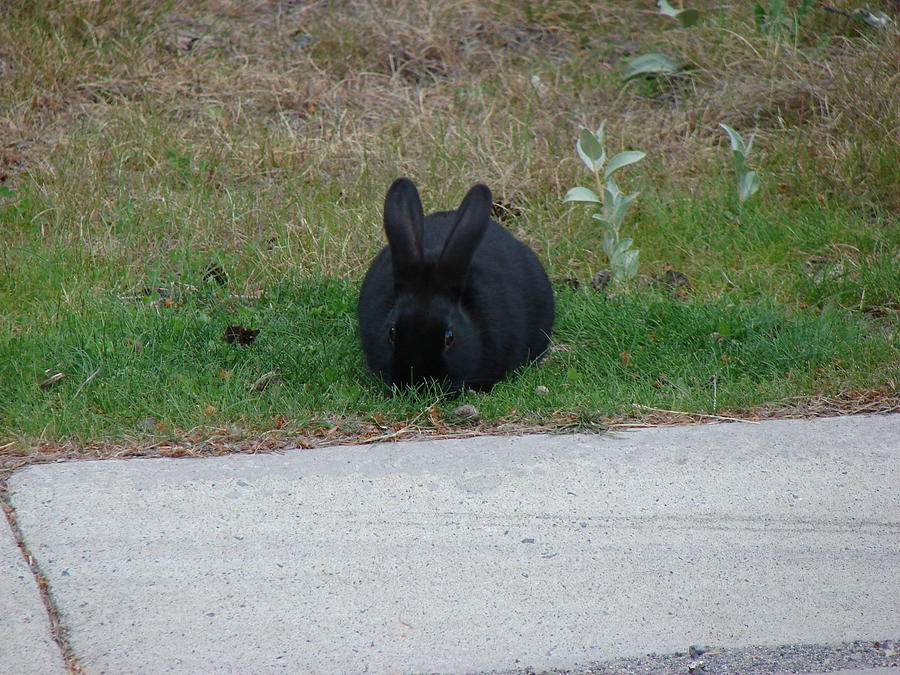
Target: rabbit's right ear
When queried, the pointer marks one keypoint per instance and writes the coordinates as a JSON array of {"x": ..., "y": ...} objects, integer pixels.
[
  {"x": 472, "y": 219},
  {"x": 403, "y": 224}
]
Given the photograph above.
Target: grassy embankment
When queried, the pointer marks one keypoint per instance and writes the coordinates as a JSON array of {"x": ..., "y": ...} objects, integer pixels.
[{"x": 144, "y": 145}]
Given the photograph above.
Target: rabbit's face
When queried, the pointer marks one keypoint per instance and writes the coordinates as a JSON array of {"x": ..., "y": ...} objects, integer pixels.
[{"x": 431, "y": 341}]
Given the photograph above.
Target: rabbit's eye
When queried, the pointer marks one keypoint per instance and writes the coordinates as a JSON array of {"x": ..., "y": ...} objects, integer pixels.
[
  {"x": 392, "y": 334},
  {"x": 448, "y": 337}
]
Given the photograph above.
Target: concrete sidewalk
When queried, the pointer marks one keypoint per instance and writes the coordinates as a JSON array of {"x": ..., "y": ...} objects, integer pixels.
[
  {"x": 27, "y": 645},
  {"x": 468, "y": 555}
]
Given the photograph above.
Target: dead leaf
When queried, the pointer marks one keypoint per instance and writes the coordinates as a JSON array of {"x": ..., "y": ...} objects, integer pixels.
[
  {"x": 264, "y": 381},
  {"x": 52, "y": 380},
  {"x": 239, "y": 335},
  {"x": 601, "y": 280}
]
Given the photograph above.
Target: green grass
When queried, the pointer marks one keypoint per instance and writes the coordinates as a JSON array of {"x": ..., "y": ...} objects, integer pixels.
[
  {"x": 140, "y": 142},
  {"x": 131, "y": 360}
]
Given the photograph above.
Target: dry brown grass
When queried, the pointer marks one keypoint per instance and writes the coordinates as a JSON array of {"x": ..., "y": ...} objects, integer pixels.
[
  {"x": 216, "y": 442},
  {"x": 286, "y": 99}
]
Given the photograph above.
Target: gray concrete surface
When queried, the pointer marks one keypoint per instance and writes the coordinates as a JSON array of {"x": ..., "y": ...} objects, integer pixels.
[
  {"x": 26, "y": 644},
  {"x": 474, "y": 555}
]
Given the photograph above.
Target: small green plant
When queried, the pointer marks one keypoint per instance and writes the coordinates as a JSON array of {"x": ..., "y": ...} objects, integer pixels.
[
  {"x": 650, "y": 64},
  {"x": 660, "y": 64},
  {"x": 687, "y": 17},
  {"x": 777, "y": 20},
  {"x": 614, "y": 205},
  {"x": 747, "y": 180}
]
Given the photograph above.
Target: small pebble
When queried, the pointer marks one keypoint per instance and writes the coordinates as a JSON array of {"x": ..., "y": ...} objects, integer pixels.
[
  {"x": 468, "y": 411},
  {"x": 541, "y": 389}
]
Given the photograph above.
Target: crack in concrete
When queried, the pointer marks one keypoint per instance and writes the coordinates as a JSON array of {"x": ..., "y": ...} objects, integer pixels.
[{"x": 59, "y": 631}]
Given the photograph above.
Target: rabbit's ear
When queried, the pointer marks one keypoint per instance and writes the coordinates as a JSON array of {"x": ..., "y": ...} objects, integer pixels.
[
  {"x": 472, "y": 218},
  {"x": 403, "y": 223}
]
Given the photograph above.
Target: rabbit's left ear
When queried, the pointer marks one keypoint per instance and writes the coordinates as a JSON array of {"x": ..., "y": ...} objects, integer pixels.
[{"x": 472, "y": 218}]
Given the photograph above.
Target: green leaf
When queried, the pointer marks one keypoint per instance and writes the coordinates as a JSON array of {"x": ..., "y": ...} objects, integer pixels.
[
  {"x": 621, "y": 247},
  {"x": 687, "y": 17},
  {"x": 621, "y": 209},
  {"x": 667, "y": 9},
  {"x": 590, "y": 144},
  {"x": 748, "y": 184},
  {"x": 611, "y": 191},
  {"x": 590, "y": 149},
  {"x": 749, "y": 145},
  {"x": 609, "y": 241},
  {"x": 649, "y": 64},
  {"x": 623, "y": 159},
  {"x": 630, "y": 263},
  {"x": 760, "y": 15},
  {"x": 600, "y": 133},
  {"x": 737, "y": 143},
  {"x": 626, "y": 266},
  {"x": 581, "y": 194}
]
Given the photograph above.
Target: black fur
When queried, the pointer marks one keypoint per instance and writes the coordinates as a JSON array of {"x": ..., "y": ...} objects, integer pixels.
[{"x": 455, "y": 277}]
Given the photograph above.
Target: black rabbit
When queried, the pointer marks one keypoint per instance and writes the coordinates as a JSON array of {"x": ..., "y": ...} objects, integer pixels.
[{"x": 453, "y": 298}]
